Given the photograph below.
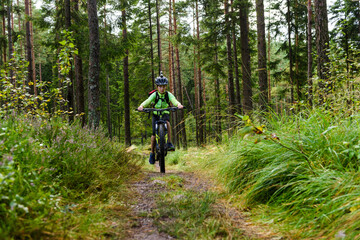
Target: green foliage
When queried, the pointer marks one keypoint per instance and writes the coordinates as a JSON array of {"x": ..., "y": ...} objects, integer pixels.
[
  {"x": 341, "y": 89},
  {"x": 18, "y": 95},
  {"x": 66, "y": 55},
  {"x": 309, "y": 174},
  {"x": 14, "y": 91},
  {"x": 48, "y": 168}
]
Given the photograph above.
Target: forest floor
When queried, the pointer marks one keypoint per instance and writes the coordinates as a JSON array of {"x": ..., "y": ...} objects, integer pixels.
[{"x": 185, "y": 205}]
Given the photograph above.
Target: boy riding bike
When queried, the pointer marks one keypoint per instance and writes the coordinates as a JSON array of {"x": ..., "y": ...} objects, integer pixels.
[{"x": 161, "y": 99}]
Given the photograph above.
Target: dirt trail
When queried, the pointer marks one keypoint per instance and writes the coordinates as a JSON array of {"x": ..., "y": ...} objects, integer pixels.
[{"x": 144, "y": 203}]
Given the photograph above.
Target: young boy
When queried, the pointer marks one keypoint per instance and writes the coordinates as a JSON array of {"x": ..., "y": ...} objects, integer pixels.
[{"x": 161, "y": 83}]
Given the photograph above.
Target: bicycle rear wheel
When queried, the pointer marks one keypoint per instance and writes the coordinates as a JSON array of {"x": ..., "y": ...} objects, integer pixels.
[{"x": 162, "y": 147}]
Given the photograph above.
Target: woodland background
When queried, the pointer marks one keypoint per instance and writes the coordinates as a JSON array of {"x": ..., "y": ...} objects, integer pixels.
[{"x": 221, "y": 58}]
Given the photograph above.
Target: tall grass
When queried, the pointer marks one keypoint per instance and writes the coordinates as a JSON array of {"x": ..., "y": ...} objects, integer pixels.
[
  {"x": 310, "y": 175},
  {"x": 50, "y": 170}
]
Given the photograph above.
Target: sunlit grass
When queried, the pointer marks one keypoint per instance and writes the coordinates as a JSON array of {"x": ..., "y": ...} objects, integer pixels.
[
  {"x": 306, "y": 184},
  {"x": 60, "y": 180}
]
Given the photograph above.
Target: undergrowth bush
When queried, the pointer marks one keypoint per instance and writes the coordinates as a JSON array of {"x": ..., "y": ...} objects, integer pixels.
[
  {"x": 305, "y": 166},
  {"x": 46, "y": 166}
]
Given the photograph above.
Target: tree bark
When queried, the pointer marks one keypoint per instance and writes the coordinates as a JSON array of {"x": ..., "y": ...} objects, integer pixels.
[
  {"x": 170, "y": 48},
  {"x": 290, "y": 53},
  {"x": 245, "y": 57},
  {"x": 236, "y": 67},
  {"x": 109, "y": 123},
  {"x": 94, "y": 66},
  {"x": 180, "y": 114},
  {"x": 296, "y": 25},
  {"x": 172, "y": 72},
  {"x": 70, "y": 90},
  {"x": 264, "y": 101},
  {"x": 196, "y": 92},
  {"x": 218, "y": 103},
  {"x": 151, "y": 46},
  {"x": 19, "y": 25},
  {"x": 199, "y": 81},
  {"x": 32, "y": 51},
  {"x": 10, "y": 43},
  {"x": 269, "y": 57},
  {"x": 79, "y": 96},
  {"x": 322, "y": 42},
  {"x": 29, "y": 45},
  {"x": 229, "y": 62},
  {"x": 310, "y": 59},
  {"x": 126, "y": 85},
  {"x": 4, "y": 34},
  {"x": 158, "y": 36}
]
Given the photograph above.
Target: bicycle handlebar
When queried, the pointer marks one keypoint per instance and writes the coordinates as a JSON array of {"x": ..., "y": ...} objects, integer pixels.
[{"x": 171, "y": 109}]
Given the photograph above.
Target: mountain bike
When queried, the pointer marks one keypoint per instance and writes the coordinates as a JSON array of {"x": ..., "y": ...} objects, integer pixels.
[{"x": 161, "y": 135}]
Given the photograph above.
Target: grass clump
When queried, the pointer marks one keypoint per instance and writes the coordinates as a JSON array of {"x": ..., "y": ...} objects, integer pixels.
[
  {"x": 309, "y": 174},
  {"x": 58, "y": 179}
]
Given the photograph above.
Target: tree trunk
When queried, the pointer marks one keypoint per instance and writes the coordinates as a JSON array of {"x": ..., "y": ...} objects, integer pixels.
[
  {"x": 158, "y": 36},
  {"x": 80, "y": 98},
  {"x": 70, "y": 90},
  {"x": 19, "y": 25},
  {"x": 67, "y": 14},
  {"x": 245, "y": 56},
  {"x": 217, "y": 97},
  {"x": 4, "y": 34},
  {"x": 196, "y": 92},
  {"x": 199, "y": 81},
  {"x": 172, "y": 73},
  {"x": 94, "y": 66},
  {"x": 298, "y": 92},
  {"x": 237, "y": 79},
  {"x": 9, "y": 12},
  {"x": 310, "y": 59},
  {"x": 109, "y": 124},
  {"x": 180, "y": 114},
  {"x": 269, "y": 56},
  {"x": 151, "y": 46},
  {"x": 229, "y": 62},
  {"x": 126, "y": 85},
  {"x": 32, "y": 51},
  {"x": 263, "y": 83},
  {"x": 322, "y": 42},
  {"x": 290, "y": 53},
  {"x": 29, "y": 44},
  {"x": 170, "y": 48},
  {"x": 40, "y": 77}
]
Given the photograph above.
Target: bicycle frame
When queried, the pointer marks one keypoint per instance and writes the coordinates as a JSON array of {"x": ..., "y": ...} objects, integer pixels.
[
  {"x": 161, "y": 135},
  {"x": 157, "y": 134}
]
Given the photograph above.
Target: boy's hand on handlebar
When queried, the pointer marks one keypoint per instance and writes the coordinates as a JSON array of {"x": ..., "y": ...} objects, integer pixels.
[
  {"x": 180, "y": 106},
  {"x": 140, "y": 109}
]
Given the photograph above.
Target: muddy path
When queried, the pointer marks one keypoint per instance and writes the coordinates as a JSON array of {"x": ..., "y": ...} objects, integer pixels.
[{"x": 144, "y": 205}]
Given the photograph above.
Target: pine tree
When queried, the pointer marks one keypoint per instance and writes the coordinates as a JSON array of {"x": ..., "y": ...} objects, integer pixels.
[
  {"x": 245, "y": 56},
  {"x": 94, "y": 66},
  {"x": 262, "y": 54}
]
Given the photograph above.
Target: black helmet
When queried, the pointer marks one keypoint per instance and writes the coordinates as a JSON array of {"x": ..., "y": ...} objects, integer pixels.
[{"x": 161, "y": 80}]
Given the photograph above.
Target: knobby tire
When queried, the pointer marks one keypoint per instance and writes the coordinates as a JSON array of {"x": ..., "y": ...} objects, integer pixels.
[{"x": 162, "y": 148}]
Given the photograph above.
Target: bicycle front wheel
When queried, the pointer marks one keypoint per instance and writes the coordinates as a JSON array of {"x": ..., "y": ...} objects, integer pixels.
[{"x": 162, "y": 148}]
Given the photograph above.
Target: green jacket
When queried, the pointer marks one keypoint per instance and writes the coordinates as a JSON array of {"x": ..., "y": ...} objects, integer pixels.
[{"x": 161, "y": 104}]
